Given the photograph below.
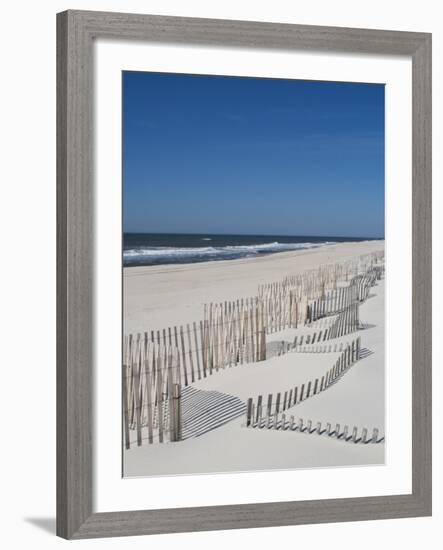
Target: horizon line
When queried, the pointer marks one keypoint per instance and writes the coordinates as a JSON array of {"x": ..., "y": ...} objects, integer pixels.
[{"x": 250, "y": 234}]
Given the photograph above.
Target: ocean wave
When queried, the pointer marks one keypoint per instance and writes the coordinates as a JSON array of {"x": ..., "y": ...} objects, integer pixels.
[
  {"x": 169, "y": 251},
  {"x": 275, "y": 246},
  {"x": 212, "y": 252}
]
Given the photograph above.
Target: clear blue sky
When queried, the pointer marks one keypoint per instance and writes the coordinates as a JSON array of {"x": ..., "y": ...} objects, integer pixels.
[{"x": 205, "y": 154}]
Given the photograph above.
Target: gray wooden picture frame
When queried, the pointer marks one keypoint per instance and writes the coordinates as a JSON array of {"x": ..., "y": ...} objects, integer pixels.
[{"x": 76, "y": 32}]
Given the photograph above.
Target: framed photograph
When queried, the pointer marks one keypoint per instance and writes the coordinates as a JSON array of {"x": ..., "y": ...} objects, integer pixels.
[{"x": 244, "y": 274}]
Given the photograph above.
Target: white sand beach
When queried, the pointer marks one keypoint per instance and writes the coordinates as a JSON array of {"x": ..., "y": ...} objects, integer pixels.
[{"x": 157, "y": 297}]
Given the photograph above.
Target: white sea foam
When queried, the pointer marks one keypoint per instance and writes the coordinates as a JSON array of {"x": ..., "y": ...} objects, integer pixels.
[{"x": 211, "y": 252}]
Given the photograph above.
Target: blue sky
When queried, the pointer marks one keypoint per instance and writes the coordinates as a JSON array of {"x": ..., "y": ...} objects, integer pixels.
[{"x": 209, "y": 154}]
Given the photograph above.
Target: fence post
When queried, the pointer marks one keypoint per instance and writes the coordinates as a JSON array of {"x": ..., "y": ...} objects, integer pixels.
[
  {"x": 178, "y": 411},
  {"x": 354, "y": 434},
  {"x": 263, "y": 345},
  {"x": 136, "y": 382},
  {"x": 259, "y": 408},
  {"x": 191, "y": 359},
  {"x": 364, "y": 435},
  {"x": 269, "y": 406},
  {"x": 125, "y": 407},
  {"x": 171, "y": 401},
  {"x": 182, "y": 341},
  {"x": 277, "y": 404},
  {"x": 249, "y": 412},
  {"x": 308, "y": 391},
  {"x": 160, "y": 401}
]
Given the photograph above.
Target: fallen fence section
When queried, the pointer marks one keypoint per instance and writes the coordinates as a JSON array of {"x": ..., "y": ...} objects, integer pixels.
[{"x": 356, "y": 435}]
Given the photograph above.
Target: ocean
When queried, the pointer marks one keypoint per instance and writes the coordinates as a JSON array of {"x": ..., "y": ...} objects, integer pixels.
[{"x": 140, "y": 249}]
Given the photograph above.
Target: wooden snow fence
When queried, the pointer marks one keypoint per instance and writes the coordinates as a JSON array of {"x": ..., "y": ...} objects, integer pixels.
[
  {"x": 283, "y": 308},
  {"x": 234, "y": 333},
  {"x": 273, "y": 312},
  {"x": 379, "y": 270},
  {"x": 341, "y": 298},
  {"x": 332, "y": 303},
  {"x": 314, "y": 283},
  {"x": 230, "y": 334},
  {"x": 335, "y": 301},
  {"x": 309, "y": 284},
  {"x": 259, "y": 412},
  {"x": 363, "y": 283},
  {"x": 313, "y": 294},
  {"x": 355, "y": 435},
  {"x": 151, "y": 391},
  {"x": 347, "y": 321},
  {"x": 318, "y": 348}
]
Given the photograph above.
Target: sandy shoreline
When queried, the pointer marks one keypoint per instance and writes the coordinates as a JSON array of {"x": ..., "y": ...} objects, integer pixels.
[{"x": 156, "y": 297}]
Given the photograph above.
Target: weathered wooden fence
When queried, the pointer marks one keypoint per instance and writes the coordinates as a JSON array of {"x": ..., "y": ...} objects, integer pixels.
[
  {"x": 222, "y": 339},
  {"x": 347, "y": 321},
  {"x": 314, "y": 294},
  {"x": 313, "y": 283},
  {"x": 365, "y": 282},
  {"x": 234, "y": 333},
  {"x": 151, "y": 391},
  {"x": 319, "y": 348},
  {"x": 267, "y": 314},
  {"x": 356, "y": 435},
  {"x": 333, "y": 302},
  {"x": 258, "y": 412}
]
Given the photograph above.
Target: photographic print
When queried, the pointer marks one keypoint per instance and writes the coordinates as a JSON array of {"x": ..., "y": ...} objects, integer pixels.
[{"x": 253, "y": 274}]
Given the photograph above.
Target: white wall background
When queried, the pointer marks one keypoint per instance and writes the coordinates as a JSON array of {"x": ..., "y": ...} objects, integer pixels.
[{"x": 27, "y": 217}]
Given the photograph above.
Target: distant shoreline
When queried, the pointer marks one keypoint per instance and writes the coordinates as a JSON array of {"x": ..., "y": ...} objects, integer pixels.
[
  {"x": 288, "y": 254},
  {"x": 147, "y": 250}
]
